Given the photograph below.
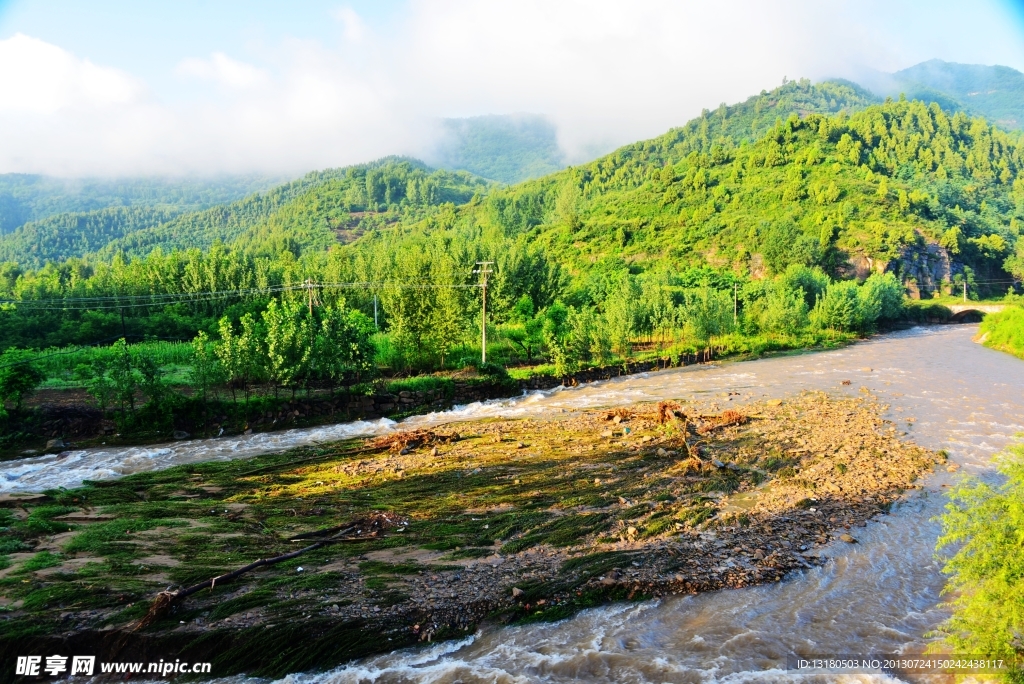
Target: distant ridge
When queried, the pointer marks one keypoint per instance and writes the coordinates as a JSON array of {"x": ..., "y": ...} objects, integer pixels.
[{"x": 994, "y": 92}]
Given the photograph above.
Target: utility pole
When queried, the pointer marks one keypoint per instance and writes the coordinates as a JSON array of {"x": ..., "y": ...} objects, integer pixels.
[
  {"x": 735, "y": 302},
  {"x": 484, "y": 271},
  {"x": 965, "y": 290},
  {"x": 309, "y": 295}
]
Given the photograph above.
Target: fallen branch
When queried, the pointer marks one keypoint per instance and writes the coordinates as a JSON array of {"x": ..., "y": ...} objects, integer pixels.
[{"x": 372, "y": 525}]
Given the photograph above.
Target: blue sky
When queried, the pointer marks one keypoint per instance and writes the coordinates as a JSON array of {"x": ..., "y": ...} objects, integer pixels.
[{"x": 125, "y": 87}]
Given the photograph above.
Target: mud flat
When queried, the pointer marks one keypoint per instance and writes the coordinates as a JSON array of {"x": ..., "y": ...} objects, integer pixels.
[{"x": 486, "y": 521}]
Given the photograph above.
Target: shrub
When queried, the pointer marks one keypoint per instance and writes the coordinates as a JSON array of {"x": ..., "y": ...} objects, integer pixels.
[{"x": 987, "y": 570}]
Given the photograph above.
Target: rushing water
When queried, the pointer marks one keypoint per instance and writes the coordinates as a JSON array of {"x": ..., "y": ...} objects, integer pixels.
[{"x": 879, "y": 596}]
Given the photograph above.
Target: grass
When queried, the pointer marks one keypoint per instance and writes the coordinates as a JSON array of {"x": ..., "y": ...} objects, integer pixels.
[{"x": 1004, "y": 331}]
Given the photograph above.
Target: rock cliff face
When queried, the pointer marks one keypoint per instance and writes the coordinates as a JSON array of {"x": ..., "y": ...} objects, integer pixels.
[{"x": 924, "y": 269}]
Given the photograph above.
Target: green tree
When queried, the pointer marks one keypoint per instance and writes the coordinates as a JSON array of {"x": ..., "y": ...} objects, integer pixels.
[
  {"x": 448, "y": 314},
  {"x": 983, "y": 523},
  {"x": 707, "y": 314},
  {"x": 839, "y": 309},
  {"x": 524, "y": 329},
  {"x": 620, "y": 315},
  {"x": 288, "y": 342},
  {"x": 887, "y": 291},
  {"x": 343, "y": 349},
  {"x": 18, "y": 377},
  {"x": 783, "y": 310},
  {"x": 206, "y": 371}
]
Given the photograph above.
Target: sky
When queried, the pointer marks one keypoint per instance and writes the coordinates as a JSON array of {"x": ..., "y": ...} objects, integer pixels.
[{"x": 120, "y": 87}]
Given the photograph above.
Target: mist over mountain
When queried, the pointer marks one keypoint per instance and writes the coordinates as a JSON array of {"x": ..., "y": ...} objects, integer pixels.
[
  {"x": 994, "y": 92},
  {"x": 29, "y": 197},
  {"x": 505, "y": 148}
]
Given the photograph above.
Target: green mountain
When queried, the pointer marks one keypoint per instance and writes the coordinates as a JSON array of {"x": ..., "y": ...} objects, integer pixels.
[
  {"x": 313, "y": 212},
  {"x": 994, "y": 92},
  {"x": 74, "y": 234},
  {"x": 25, "y": 198},
  {"x": 738, "y": 195},
  {"x": 507, "y": 149}
]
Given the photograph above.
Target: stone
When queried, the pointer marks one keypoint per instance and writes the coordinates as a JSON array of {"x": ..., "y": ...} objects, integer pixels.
[
  {"x": 54, "y": 444},
  {"x": 661, "y": 452},
  {"x": 773, "y": 402},
  {"x": 848, "y": 539},
  {"x": 631, "y": 531},
  {"x": 181, "y": 434},
  {"x": 718, "y": 464},
  {"x": 517, "y": 592}
]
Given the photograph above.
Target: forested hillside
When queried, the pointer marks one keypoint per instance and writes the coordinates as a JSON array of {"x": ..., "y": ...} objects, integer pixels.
[
  {"x": 25, "y": 197},
  {"x": 311, "y": 212},
  {"x": 648, "y": 241},
  {"x": 74, "y": 234},
  {"x": 817, "y": 190}
]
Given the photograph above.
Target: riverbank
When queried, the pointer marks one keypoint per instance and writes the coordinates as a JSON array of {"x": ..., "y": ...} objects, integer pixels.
[
  {"x": 1004, "y": 331},
  {"x": 59, "y": 420},
  {"x": 498, "y": 520}
]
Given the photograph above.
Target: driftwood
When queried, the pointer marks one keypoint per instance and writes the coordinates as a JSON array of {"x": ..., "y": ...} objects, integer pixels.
[{"x": 365, "y": 528}]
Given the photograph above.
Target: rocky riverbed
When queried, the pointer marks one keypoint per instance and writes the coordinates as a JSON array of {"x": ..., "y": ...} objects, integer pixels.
[{"x": 498, "y": 520}]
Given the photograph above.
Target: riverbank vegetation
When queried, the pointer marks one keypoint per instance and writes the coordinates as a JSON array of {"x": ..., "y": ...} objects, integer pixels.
[
  {"x": 508, "y": 520},
  {"x": 1004, "y": 331},
  {"x": 981, "y": 527},
  {"x": 289, "y": 347}
]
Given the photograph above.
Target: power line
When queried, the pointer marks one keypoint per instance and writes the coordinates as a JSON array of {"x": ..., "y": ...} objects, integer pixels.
[{"x": 117, "y": 302}]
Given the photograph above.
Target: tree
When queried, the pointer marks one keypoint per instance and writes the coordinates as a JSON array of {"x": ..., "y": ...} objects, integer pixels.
[
  {"x": 206, "y": 371},
  {"x": 811, "y": 279},
  {"x": 839, "y": 308},
  {"x": 288, "y": 340},
  {"x": 242, "y": 354},
  {"x": 448, "y": 315},
  {"x": 707, "y": 314},
  {"x": 887, "y": 291},
  {"x": 125, "y": 379},
  {"x": 343, "y": 348},
  {"x": 620, "y": 315},
  {"x": 18, "y": 377},
  {"x": 567, "y": 205},
  {"x": 783, "y": 310},
  {"x": 525, "y": 329}
]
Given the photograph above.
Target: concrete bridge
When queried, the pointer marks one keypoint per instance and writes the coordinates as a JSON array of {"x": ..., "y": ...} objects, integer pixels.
[{"x": 969, "y": 309}]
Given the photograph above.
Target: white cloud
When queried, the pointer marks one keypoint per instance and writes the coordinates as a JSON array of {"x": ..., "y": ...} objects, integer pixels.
[
  {"x": 606, "y": 72},
  {"x": 224, "y": 70},
  {"x": 39, "y": 78},
  {"x": 353, "y": 26}
]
